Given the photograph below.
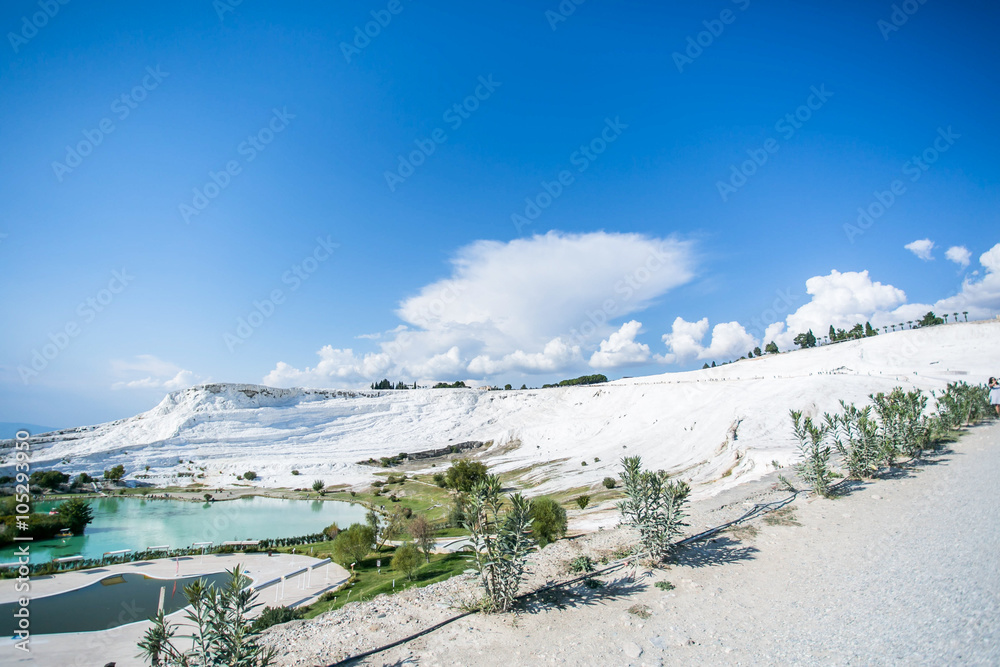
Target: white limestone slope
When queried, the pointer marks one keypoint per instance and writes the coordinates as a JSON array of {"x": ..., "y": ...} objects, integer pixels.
[{"x": 714, "y": 427}]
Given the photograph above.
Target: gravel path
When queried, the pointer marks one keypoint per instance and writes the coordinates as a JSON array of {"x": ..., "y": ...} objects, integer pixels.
[{"x": 899, "y": 571}]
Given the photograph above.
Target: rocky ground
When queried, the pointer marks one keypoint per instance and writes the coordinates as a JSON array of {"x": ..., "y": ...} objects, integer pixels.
[{"x": 899, "y": 571}]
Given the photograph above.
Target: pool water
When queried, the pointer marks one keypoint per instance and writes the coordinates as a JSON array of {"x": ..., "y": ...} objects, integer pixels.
[
  {"x": 138, "y": 523},
  {"x": 115, "y": 600}
]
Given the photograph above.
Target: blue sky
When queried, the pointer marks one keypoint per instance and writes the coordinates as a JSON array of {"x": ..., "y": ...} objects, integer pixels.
[{"x": 179, "y": 166}]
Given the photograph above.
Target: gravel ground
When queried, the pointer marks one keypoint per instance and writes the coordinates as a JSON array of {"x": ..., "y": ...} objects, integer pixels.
[{"x": 898, "y": 571}]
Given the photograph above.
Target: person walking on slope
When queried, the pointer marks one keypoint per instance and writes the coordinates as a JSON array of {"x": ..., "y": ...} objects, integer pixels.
[{"x": 995, "y": 395}]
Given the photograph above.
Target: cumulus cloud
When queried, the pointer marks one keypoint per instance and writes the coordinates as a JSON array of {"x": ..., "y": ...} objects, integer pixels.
[
  {"x": 958, "y": 254},
  {"x": 153, "y": 373},
  {"x": 684, "y": 342},
  {"x": 921, "y": 248},
  {"x": 846, "y": 299},
  {"x": 334, "y": 365},
  {"x": 621, "y": 348},
  {"x": 529, "y": 305}
]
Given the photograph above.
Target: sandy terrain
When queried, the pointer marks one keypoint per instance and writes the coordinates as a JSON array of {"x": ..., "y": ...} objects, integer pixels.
[{"x": 898, "y": 571}]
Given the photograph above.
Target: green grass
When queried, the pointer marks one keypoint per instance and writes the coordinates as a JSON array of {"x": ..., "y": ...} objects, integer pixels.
[{"x": 368, "y": 582}]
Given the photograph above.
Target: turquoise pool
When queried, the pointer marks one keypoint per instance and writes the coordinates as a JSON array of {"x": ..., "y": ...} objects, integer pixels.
[{"x": 138, "y": 523}]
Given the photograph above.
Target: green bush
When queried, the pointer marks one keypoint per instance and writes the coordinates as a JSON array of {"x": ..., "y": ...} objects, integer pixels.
[
  {"x": 353, "y": 544},
  {"x": 583, "y": 501},
  {"x": 115, "y": 473},
  {"x": 318, "y": 485},
  {"x": 250, "y": 475},
  {"x": 814, "y": 468},
  {"x": 75, "y": 514},
  {"x": 440, "y": 480},
  {"x": 581, "y": 564},
  {"x": 654, "y": 506},
  {"x": 464, "y": 474},
  {"x": 295, "y": 472},
  {"x": 609, "y": 483},
  {"x": 406, "y": 559},
  {"x": 548, "y": 520},
  {"x": 275, "y": 616},
  {"x": 49, "y": 479}
]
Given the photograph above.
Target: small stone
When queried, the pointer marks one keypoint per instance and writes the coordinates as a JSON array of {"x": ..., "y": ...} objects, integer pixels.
[
  {"x": 632, "y": 649},
  {"x": 876, "y": 497}
]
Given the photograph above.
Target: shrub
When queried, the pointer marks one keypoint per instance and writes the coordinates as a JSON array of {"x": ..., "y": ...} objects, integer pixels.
[
  {"x": 331, "y": 531},
  {"x": 610, "y": 483},
  {"x": 353, "y": 544},
  {"x": 583, "y": 501},
  {"x": 76, "y": 514},
  {"x": 406, "y": 559},
  {"x": 250, "y": 475},
  {"x": 583, "y": 463},
  {"x": 814, "y": 468},
  {"x": 464, "y": 474},
  {"x": 406, "y": 512},
  {"x": 423, "y": 534},
  {"x": 275, "y": 616},
  {"x": 318, "y": 485},
  {"x": 501, "y": 541},
  {"x": 115, "y": 473},
  {"x": 222, "y": 633},
  {"x": 548, "y": 520},
  {"x": 49, "y": 479},
  {"x": 855, "y": 436},
  {"x": 295, "y": 472},
  {"x": 664, "y": 585},
  {"x": 654, "y": 506},
  {"x": 456, "y": 515},
  {"x": 440, "y": 480},
  {"x": 581, "y": 564}
]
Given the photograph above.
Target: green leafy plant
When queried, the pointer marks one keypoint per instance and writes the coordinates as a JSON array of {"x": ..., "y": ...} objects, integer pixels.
[
  {"x": 583, "y": 501},
  {"x": 275, "y": 616},
  {"x": 609, "y": 483},
  {"x": 318, "y": 485},
  {"x": 353, "y": 544},
  {"x": 222, "y": 634},
  {"x": 250, "y": 475},
  {"x": 814, "y": 468},
  {"x": 501, "y": 541},
  {"x": 856, "y": 437},
  {"x": 653, "y": 505},
  {"x": 464, "y": 474},
  {"x": 75, "y": 514},
  {"x": 581, "y": 564},
  {"x": 548, "y": 520},
  {"x": 115, "y": 473},
  {"x": 664, "y": 586},
  {"x": 406, "y": 559}
]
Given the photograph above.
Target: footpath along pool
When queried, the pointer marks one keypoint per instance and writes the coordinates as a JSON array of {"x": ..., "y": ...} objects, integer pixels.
[{"x": 138, "y": 523}]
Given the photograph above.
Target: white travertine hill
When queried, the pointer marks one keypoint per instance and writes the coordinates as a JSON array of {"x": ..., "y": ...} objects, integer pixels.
[{"x": 714, "y": 427}]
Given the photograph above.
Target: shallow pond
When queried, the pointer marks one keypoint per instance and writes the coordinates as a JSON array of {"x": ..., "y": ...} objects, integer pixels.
[{"x": 138, "y": 523}]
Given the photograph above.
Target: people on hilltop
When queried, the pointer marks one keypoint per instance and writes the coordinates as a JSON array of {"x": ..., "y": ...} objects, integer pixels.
[{"x": 995, "y": 395}]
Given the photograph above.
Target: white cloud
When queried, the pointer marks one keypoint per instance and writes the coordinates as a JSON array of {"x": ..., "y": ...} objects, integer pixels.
[
  {"x": 621, "y": 348},
  {"x": 557, "y": 355},
  {"x": 729, "y": 341},
  {"x": 846, "y": 299},
  {"x": 335, "y": 365},
  {"x": 156, "y": 374},
  {"x": 958, "y": 254},
  {"x": 529, "y": 305},
  {"x": 921, "y": 248}
]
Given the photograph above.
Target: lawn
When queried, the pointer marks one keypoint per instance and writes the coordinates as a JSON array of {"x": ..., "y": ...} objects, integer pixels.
[{"x": 369, "y": 582}]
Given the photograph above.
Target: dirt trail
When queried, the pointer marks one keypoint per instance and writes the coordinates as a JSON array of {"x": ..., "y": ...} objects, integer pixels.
[{"x": 899, "y": 571}]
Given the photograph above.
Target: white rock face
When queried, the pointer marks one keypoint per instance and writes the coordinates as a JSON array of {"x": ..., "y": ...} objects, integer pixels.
[{"x": 714, "y": 427}]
